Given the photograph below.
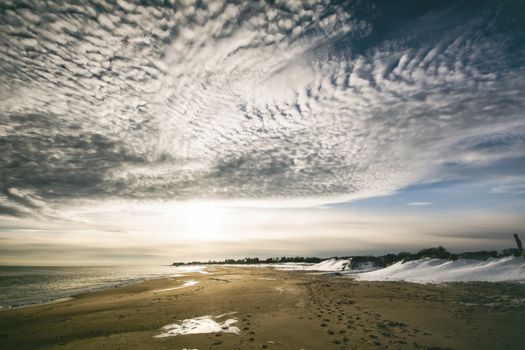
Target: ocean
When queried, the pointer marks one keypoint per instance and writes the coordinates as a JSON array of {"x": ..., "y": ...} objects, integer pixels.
[{"x": 26, "y": 285}]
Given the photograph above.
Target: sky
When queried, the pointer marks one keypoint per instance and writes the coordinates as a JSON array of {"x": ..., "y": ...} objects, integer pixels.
[{"x": 144, "y": 132}]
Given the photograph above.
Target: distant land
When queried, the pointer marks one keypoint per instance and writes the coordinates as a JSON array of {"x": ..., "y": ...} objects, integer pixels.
[{"x": 379, "y": 260}]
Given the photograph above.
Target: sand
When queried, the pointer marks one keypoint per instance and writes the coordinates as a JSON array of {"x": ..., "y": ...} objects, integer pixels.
[{"x": 276, "y": 309}]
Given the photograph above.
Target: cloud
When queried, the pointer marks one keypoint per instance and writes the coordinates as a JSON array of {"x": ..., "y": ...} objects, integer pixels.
[
  {"x": 512, "y": 185},
  {"x": 420, "y": 203},
  {"x": 216, "y": 100}
]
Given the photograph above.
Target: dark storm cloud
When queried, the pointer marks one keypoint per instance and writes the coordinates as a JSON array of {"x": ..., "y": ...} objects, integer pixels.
[{"x": 284, "y": 99}]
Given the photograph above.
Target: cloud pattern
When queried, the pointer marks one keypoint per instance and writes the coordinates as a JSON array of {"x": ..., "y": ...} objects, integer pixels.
[{"x": 251, "y": 99}]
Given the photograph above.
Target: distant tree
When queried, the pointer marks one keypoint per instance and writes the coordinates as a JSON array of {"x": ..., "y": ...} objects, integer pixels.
[
  {"x": 382, "y": 260},
  {"x": 509, "y": 252},
  {"x": 480, "y": 255},
  {"x": 436, "y": 253}
]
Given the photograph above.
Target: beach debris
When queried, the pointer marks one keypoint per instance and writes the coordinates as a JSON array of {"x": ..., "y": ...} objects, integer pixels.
[
  {"x": 521, "y": 251},
  {"x": 200, "y": 325}
]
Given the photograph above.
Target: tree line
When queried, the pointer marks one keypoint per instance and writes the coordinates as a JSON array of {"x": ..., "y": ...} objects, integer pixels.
[
  {"x": 251, "y": 261},
  {"x": 381, "y": 260}
]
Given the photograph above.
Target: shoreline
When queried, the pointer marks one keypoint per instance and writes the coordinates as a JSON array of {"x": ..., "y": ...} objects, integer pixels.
[
  {"x": 52, "y": 301},
  {"x": 100, "y": 283}
]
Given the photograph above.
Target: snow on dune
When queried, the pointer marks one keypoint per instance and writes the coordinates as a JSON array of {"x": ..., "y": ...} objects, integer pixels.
[
  {"x": 361, "y": 267},
  {"x": 439, "y": 270},
  {"x": 330, "y": 265}
]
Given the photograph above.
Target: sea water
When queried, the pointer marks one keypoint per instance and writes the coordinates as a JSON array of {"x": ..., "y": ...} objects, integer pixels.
[{"x": 26, "y": 285}]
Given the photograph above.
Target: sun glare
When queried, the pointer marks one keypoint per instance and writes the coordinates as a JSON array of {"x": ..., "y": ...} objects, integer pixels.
[{"x": 204, "y": 221}]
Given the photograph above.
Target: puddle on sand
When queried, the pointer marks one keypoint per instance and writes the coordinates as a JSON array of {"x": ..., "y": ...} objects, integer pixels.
[
  {"x": 200, "y": 325},
  {"x": 188, "y": 283}
]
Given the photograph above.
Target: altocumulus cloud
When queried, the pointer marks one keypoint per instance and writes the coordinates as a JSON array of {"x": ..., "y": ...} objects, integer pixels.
[{"x": 251, "y": 99}]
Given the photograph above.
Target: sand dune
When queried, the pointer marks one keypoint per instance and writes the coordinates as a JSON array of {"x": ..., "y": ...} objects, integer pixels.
[{"x": 440, "y": 270}]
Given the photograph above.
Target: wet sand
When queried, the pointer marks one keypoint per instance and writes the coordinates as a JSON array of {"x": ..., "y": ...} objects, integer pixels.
[{"x": 276, "y": 309}]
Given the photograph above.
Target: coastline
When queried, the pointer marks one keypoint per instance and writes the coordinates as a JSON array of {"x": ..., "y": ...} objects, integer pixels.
[
  {"x": 51, "y": 301},
  {"x": 276, "y": 309},
  {"x": 90, "y": 279}
]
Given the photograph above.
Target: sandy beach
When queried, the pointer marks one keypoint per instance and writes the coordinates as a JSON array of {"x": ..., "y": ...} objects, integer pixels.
[{"x": 258, "y": 308}]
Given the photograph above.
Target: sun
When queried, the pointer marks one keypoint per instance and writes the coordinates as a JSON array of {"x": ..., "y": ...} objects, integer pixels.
[{"x": 204, "y": 221}]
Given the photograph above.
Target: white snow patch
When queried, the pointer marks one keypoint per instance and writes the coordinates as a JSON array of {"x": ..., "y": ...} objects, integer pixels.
[
  {"x": 226, "y": 314},
  {"x": 508, "y": 269},
  {"x": 283, "y": 266},
  {"x": 199, "y": 325},
  {"x": 330, "y": 265}
]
